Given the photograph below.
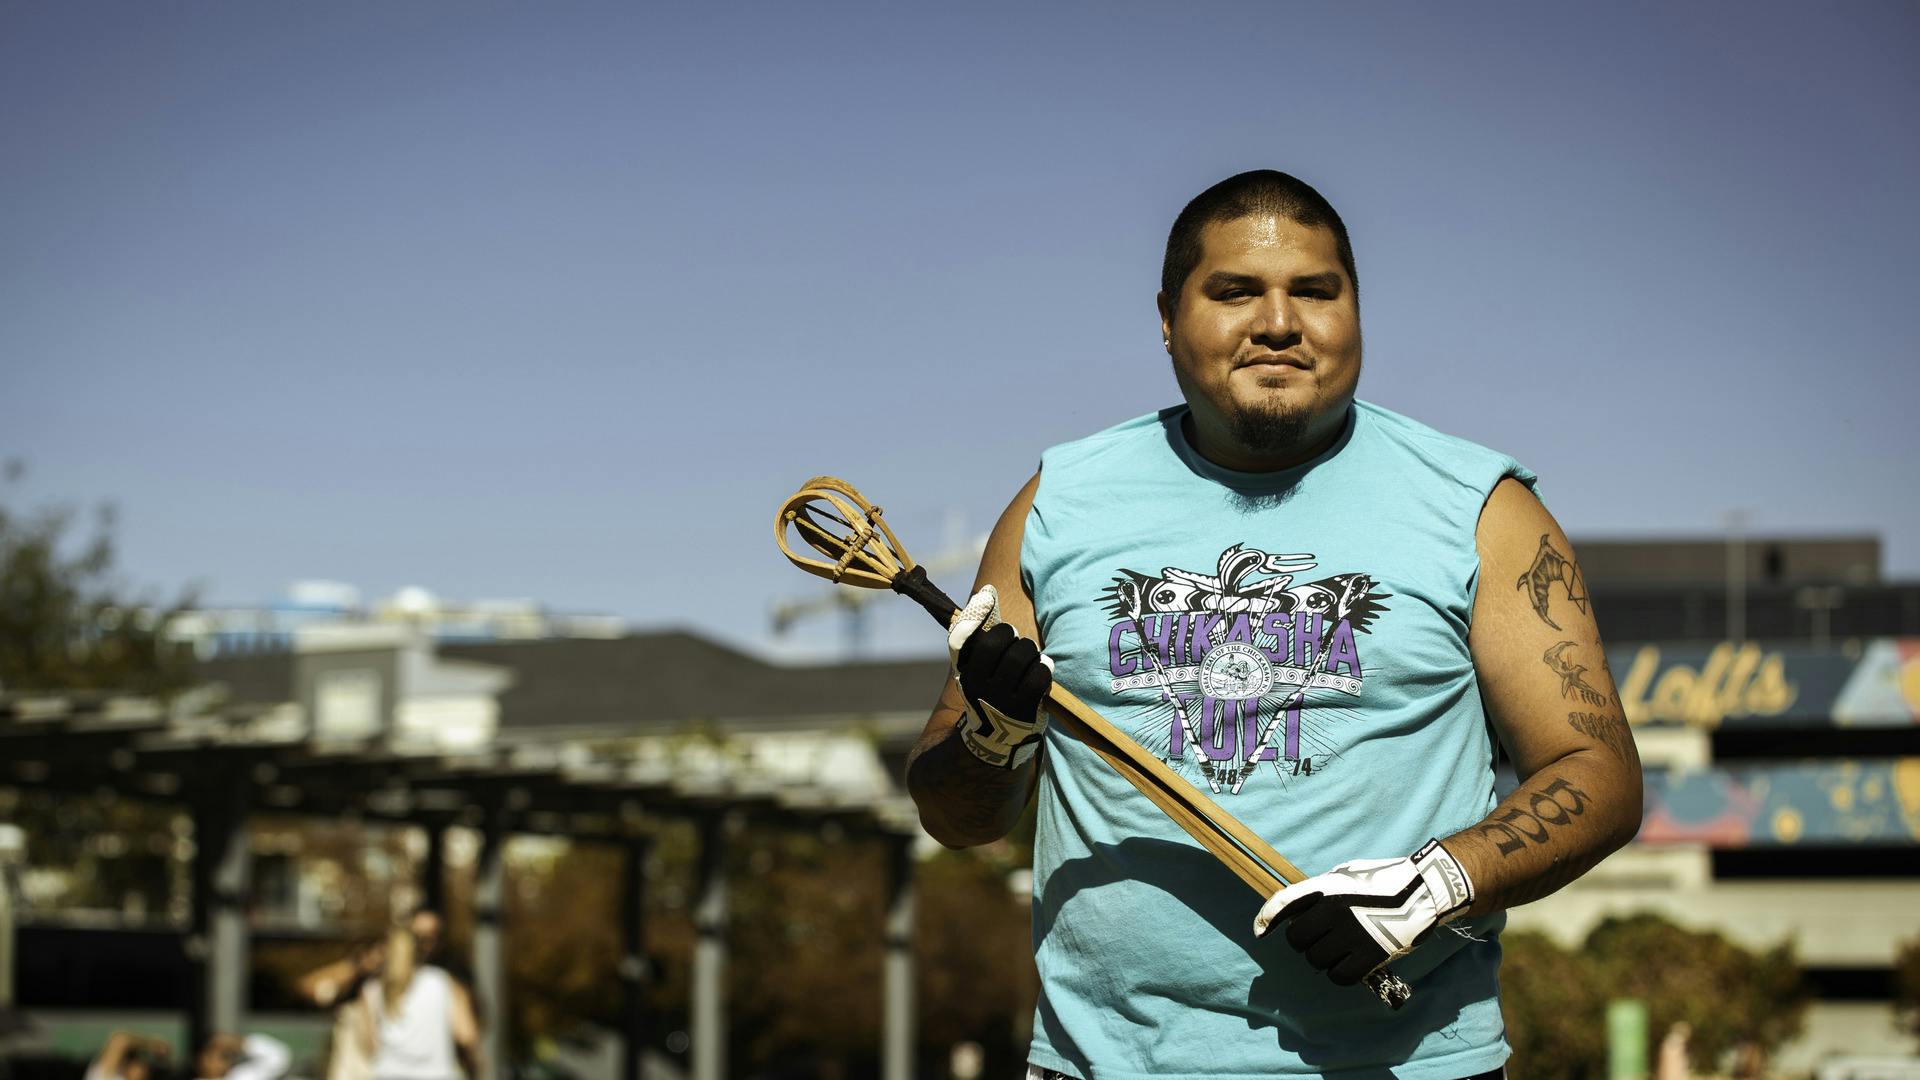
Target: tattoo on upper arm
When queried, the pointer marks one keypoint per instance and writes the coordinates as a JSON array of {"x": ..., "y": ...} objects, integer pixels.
[
  {"x": 1608, "y": 729},
  {"x": 1556, "y": 804},
  {"x": 1571, "y": 684},
  {"x": 1548, "y": 567}
]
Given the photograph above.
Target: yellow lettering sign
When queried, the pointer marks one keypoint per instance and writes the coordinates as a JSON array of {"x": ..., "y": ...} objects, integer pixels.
[{"x": 1735, "y": 681}]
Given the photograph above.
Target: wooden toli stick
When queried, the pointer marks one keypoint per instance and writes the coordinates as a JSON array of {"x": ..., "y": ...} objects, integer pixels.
[{"x": 833, "y": 519}]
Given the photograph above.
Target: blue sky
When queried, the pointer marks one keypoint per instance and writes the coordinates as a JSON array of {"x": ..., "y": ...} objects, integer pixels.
[{"x": 561, "y": 300}]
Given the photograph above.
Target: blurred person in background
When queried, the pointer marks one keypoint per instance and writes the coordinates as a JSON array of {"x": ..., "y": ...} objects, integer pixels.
[
  {"x": 128, "y": 1056},
  {"x": 341, "y": 979},
  {"x": 227, "y": 1056},
  {"x": 337, "y": 986},
  {"x": 421, "y": 1019},
  {"x": 1673, "y": 1062},
  {"x": 224, "y": 1056}
]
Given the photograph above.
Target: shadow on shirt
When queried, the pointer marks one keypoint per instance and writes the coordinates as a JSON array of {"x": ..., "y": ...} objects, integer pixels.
[{"x": 1263, "y": 982}]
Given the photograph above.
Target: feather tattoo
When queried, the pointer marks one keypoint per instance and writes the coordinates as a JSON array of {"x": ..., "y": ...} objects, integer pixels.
[{"x": 1571, "y": 684}]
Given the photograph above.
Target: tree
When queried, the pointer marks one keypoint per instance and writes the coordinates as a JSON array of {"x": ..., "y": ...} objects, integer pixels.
[
  {"x": 1727, "y": 993},
  {"x": 1555, "y": 1000},
  {"x": 1906, "y": 975},
  {"x": 1555, "y": 1008},
  {"x": 806, "y": 948},
  {"x": 64, "y": 624}
]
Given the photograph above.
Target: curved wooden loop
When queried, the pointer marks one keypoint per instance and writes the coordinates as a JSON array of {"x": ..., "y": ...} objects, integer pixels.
[{"x": 832, "y": 518}]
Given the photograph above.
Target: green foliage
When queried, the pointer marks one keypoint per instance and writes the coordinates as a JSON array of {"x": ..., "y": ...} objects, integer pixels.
[
  {"x": 119, "y": 855},
  {"x": 1906, "y": 976},
  {"x": 1555, "y": 999},
  {"x": 1555, "y": 1009},
  {"x": 1726, "y": 993},
  {"x": 64, "y": 624},
  {"x": 807, "y": 943},
  {"x": 974, "y": 949}
]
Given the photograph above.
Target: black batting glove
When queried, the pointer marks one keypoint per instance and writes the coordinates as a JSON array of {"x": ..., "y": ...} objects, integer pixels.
[{"x": 1004, "y": 679}]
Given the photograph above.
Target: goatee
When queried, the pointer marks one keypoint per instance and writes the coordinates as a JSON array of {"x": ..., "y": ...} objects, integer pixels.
[{"x": 1269, "y": 432}]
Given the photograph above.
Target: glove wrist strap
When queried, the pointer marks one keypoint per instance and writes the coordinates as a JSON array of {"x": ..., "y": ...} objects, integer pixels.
[
  {"x": 998, "y": 739},
  {"x": 1446, "y": 880}
]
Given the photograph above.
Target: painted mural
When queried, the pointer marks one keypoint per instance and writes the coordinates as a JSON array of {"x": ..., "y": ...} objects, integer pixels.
[{"x": 1827, "y": 804}]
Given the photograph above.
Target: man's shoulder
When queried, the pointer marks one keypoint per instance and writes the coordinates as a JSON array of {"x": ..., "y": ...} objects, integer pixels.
[
  {"x": 1148, "y": 428},
  {"x": 1447, "y": 453},
  {"x": 1406, "y": 428}
]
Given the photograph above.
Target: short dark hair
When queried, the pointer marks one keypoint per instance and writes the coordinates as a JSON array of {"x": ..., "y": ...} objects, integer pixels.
[{"x": 1262, "y": 191}]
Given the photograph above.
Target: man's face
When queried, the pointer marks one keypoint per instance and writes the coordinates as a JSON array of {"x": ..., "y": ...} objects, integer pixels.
[{"x": 1265, "y": 341}]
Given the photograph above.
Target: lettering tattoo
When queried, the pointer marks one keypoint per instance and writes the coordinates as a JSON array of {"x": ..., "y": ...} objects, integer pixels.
[
  {"x": 1571, "y": 684},
  {"x": 1608, "y": 729},
  {"x": 1513, "y": 828},
  {"x": 1548, "y": 567}
]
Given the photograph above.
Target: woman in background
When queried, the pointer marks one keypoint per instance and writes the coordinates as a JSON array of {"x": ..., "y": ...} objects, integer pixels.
[{"x": 420, "y": 1018}]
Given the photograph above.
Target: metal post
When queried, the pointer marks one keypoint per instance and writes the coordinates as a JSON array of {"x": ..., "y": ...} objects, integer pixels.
[
  {"x": 489, "y": 948},
  {"x": 217, "y": 943},
  {"x": 13, "y": 852},
  {"x": 1819, "y": 602},
  {"x": 897, "y": 1040},
  {"x": 635, "y": 1030},
  {"x": 1736, "y": 576},
  {"x": 710, "y": 955},
  {"x": 433, "y": 869}
]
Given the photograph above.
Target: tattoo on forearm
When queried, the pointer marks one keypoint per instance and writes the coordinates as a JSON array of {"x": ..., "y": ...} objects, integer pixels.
[
  {"x": 1555, "y": 805},
  {"x": 970, "y": 796},
  {"x": 1608, "y": 729},
  {"x": 1548, "y": 567},
  {"x": 1571, "y": 684}
]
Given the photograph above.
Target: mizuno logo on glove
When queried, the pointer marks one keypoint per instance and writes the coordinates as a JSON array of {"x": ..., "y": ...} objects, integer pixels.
[{"x": 1362, "y": 914}]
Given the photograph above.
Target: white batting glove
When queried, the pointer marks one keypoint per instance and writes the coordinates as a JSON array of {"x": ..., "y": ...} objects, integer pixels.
[
  {"x": 1004, "y": 679},
  {"x": 1362, "y": 914}
]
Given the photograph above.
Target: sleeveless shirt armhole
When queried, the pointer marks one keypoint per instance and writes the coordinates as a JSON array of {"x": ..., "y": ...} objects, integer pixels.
[
  {"x": 1511, "y": 469},
  {"x": 1026, "y": 538}
]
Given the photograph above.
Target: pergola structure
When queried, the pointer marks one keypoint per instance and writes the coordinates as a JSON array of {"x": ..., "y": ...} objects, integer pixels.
[{"x": 223, "y": 765}]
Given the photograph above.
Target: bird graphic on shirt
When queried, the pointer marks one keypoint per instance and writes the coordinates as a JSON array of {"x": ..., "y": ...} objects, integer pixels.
[{"x": 1350, "y": 597}]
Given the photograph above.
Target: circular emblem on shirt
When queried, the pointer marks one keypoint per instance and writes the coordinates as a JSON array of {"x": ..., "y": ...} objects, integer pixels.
[{"x": 1235, "y": 670}]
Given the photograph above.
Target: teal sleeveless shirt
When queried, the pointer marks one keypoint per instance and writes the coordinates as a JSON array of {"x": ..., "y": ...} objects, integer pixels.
[{"x": 1311, "y": 625}]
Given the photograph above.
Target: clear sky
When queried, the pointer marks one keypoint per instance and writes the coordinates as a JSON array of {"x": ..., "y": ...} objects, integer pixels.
[{"x": 560, "y": 300}]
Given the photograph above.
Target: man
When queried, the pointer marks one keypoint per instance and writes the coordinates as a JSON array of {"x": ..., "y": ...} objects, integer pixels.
[
  {"x": 224, "y": 1056},
  {"x": 129, "y": 1056},
  {"x": 1327, "y": 616},
  {"x": 227, "y": 1056}
]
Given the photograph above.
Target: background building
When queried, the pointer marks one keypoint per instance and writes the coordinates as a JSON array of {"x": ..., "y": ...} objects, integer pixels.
[{"x": 1774, "y": 688}]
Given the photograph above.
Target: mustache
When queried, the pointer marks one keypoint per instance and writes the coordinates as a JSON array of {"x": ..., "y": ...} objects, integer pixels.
[{"x": 1299, "y": 358}]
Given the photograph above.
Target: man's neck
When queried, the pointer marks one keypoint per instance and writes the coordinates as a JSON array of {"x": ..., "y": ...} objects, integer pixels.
[{"x": 1221, "y": 449}]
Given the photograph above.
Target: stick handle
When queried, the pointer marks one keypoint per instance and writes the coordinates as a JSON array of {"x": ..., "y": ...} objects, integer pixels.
[
  {"x": 1251, "y": 859},
  {"x": 915, "y": 585}
]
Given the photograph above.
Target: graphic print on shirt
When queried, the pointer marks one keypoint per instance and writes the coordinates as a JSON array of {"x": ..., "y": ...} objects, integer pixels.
[{"x": 1231, "y": 657}]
